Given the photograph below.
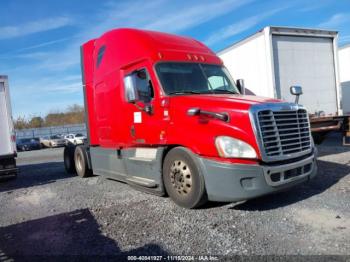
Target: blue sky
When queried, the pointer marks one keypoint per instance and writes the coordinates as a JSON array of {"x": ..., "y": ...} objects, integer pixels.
[{"x": 39, "y": 40}]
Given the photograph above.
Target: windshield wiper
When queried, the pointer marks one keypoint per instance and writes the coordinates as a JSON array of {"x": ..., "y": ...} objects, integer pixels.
[
  {"x": 224, "y": 91},
  {"x": 183, "y": 92}
]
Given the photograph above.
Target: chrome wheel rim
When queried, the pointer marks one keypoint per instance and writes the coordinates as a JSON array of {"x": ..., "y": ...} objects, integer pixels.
[
  {"x": 79, "y": 164},
  {"x": 181, "y": 177}
]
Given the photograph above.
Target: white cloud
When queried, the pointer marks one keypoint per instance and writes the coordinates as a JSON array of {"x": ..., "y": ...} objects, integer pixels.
[
  {"x": 156, "y": 15},
  {"x": 68, "y": 85},
  {"x": 195, "y": 15},
  {"x": 34, "y": 55},
  {"x": 334, "y": 21},
  {"x": 43, "y": 25},
  {"x": 240, "y": 26},
  {"x": 44, "y": 44},
  {"x": 162, "y": 15},
  {"x": 75, "y": 87},
  {"x": 312, "y": 5}
]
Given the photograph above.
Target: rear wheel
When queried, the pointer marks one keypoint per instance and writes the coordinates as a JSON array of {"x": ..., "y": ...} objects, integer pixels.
[
  {"x": 68, "y": 156},
  {"x": 81, "y": 162},
  {"x": 182, "y": 179}
]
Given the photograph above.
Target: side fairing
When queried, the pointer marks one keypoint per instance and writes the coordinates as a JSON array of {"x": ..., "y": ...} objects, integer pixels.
[{"x": 86, "y": 53}]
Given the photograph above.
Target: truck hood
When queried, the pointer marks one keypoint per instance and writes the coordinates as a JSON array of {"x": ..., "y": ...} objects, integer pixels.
[
  {"x": 231, "y": 102},
  {"x": 200, "y": 131}
]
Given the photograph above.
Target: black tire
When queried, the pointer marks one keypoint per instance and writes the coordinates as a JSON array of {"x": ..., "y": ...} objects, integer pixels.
[
  {"x": 183, "y": 180},
  {"x": 68, "y": 156},
  {"x": 81, "y": 162},
  {"x": 319, "y": 137}
]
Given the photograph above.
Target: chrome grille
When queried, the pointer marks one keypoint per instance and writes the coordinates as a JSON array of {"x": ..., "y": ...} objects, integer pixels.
[{"x": 284, "y": 132}]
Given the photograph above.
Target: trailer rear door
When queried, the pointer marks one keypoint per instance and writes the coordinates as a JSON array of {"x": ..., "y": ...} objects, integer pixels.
[
  {"x": 308, "y": 62},
  {"x": 5, "y": 118}
]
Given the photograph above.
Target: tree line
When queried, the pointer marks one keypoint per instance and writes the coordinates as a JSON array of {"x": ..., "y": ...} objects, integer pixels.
[{"x": 74, "y": 114}]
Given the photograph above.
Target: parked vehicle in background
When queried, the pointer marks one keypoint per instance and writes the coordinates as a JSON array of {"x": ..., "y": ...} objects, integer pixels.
[
  {"x": 25, "y": 144},
  {"x": 7, "y": 135},
  {"x": 45, "y": 141},
  {"x": 276, "y": 58},
  {"x": 75, "y": 139},
  {"x": 165, "y": 116},
  {"x": 53, "y": 141}
]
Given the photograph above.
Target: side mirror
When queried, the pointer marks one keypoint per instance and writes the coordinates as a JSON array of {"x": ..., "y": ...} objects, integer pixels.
[
  {"x": 296, "y": 91},
  {"x": 240, "y": 86},
  {"x": 130, "y": 89}
]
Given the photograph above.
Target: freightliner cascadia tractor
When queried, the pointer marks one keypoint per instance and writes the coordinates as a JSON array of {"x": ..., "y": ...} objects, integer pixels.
[{"x": 164, "y": 115}]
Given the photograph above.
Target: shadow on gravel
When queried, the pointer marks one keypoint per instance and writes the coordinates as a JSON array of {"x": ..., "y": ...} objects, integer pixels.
[
  {"x": 329, "y": 174},
  {"x": 69, "y": 234},
  {"x": 34, "y": 175},
  {"x": 327, "y": 150},
  {"x": 332, "y": 145}
]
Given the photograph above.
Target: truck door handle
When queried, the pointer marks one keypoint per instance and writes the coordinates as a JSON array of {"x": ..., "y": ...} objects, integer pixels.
[
  {"x": 197, "y": 111},
  {"x": 132, "y": 131}
]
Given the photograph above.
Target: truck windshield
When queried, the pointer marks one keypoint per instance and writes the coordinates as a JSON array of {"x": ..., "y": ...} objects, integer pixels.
[{"x": 195, "y": 78}]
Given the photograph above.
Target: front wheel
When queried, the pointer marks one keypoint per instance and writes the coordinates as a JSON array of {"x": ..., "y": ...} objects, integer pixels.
[{"x": 183, "y": 180}]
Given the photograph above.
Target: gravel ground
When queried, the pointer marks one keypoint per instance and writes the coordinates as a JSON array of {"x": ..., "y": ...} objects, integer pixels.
[{"x": 48, "y": 212}]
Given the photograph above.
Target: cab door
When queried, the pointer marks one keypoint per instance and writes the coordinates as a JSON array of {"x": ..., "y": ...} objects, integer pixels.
[{"x": 146, "y": 125}]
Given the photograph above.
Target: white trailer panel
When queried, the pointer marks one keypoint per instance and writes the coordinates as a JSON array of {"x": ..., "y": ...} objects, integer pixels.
[
  {"x": 276, "y": 58},
  {"x": 308, "y": 62},
  {"x": 248, "y": 59},
  {"x": 344, "y": 72},
  {"x": 7, "y": 145}
]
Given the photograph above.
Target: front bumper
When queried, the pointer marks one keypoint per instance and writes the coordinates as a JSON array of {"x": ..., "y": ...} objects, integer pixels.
[{"x": 236, "y": 182}]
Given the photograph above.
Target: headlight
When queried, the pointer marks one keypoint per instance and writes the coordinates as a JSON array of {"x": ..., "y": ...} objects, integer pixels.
[{"x": 231, "y": 147}]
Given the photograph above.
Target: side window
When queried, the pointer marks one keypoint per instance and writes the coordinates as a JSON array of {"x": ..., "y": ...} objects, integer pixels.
[
  {"x": 217, "y": 82},
  {"x": 100, "y": 54},
  {"x": 142, "y": 84}
]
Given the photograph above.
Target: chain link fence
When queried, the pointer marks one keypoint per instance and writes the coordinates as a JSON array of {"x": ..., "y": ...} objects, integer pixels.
[{"x": 54, "y": 130}]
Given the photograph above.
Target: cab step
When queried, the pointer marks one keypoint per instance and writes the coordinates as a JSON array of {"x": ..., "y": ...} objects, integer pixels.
[
  {"x": 145, "y": 182},
  {"x": 144, "y": 159}
]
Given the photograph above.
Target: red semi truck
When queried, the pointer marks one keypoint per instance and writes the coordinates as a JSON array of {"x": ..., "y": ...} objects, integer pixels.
[{"x": 164, "y": 115}]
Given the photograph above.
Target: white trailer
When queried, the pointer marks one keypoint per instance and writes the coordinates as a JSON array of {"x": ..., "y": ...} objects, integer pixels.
[
  {"x": 344, "y": 72},
  {"x": 276, "y": 58},
  {"x": 7, "y": 135}
]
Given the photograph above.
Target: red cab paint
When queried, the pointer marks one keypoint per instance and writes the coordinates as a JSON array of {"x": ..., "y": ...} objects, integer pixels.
[
  {"x": 149, "y": 93},
  {"x": 110, "y": 118}
]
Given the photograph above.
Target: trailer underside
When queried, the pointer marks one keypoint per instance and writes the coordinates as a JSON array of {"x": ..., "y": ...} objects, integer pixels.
[
  {"x": 8, "y": 168},
  {"x": 321, "y": 126}
]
